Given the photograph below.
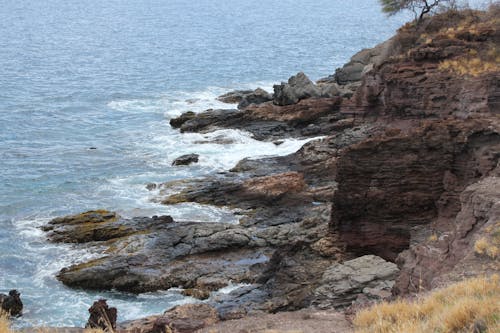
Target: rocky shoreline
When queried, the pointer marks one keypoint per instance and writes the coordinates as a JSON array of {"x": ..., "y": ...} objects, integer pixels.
[{"x": 391, "y": 200}]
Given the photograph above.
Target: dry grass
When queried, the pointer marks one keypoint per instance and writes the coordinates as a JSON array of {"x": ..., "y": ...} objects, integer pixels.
[
  {"x": 483, "y": 246},
  {"x": 4, "y": 323},
  {"x": 456, "y": 308},
  {"x": 477, "y": 31},
  {"x": 6, "y": 328},
  {"x": 473, "y": 66},
  {"x": 489, "y": 244}
]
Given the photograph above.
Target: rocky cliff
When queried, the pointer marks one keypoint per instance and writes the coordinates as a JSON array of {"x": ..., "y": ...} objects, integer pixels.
[{"x": 407, "y": 172}]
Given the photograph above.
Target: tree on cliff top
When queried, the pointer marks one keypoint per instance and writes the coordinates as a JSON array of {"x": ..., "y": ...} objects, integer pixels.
[{"x": 418, "y": 7}]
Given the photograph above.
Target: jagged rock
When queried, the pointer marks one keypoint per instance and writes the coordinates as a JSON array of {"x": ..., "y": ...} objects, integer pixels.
[
  {"x": 186, "y": 159},
  {"x": 363, "y": 61},
  {"x": 234, "y": 97},
  {"x": 343, "y": 282},
  {"x": 239, "y": 302},
  {"x": 206, "y": 121},
  {"x": 301, "y": 113},
  {"x": 257, "y": 96},
  {"x": 292, "y": 275},
  {"x": 298, "y": 87},
  {"x": 267, "y": 121},
  {"x": 11, "y": 303},
  {"x": 165, "y": 255},
  {"x": 177, "y": 122},
  {"x": 102, "y": 316}
]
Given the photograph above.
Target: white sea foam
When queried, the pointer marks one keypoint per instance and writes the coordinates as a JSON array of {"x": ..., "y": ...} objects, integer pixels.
[
  {"x": 173, "y": 103},
  {"x": 218, "y": 151},
  {"x": 232, "y": 287},
  {"x": 154, "y": 147}
]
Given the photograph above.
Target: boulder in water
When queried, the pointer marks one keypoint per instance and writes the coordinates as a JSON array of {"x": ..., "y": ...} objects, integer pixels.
[
  {"x": 186, "y": 159},
  {"x": 11, "y": 303}
]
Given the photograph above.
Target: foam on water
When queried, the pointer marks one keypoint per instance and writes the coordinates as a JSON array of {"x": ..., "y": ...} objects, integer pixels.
[{"x": 127, "y": 194}]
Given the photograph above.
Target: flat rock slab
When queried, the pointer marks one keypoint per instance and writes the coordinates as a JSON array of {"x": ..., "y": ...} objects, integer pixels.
[{"x": 303, "y": 321}]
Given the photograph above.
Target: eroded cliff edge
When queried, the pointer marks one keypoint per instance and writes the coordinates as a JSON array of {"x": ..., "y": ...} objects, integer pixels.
[{"x": 407, "y": 173}]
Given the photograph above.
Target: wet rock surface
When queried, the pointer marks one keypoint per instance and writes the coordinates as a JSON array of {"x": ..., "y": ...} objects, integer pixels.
[
  {"x": 246, "y": 97},
  {"x": 269, "y": 122},
  {"x": 11, "y": 303},
  {"x": 186, "y": 159}
]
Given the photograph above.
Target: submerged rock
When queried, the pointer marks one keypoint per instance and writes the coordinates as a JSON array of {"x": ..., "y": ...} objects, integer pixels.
[
  {"x": 186, "y": 159},
  {"x": 12, "y": 303}
]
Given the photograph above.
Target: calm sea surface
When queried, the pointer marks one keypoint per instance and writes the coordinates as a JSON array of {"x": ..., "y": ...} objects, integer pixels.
[{"x": 109, "y": 74}]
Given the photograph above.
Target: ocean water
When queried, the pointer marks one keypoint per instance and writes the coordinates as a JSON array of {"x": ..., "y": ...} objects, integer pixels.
[{"x": 109, "y": 75}]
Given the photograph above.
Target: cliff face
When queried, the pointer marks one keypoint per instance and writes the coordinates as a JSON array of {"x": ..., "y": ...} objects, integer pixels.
[
  {"x": 409, "y": 187},
  {"x": 448, "y": 67}
]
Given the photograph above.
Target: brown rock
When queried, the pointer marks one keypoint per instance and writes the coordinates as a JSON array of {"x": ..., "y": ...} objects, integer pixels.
[
  {"x": 11, "y": 303},
  {"x": 102, "y": 316},
  {"x": 274, "y": 186},
  {"x": 196, "y": 293},
  {"x": 302, "y": 112}
]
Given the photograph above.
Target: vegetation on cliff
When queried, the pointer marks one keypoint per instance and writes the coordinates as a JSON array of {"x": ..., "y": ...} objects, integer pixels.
[
  {"x": 419, "y": 7},
  {"x": 468, "y": 306}
]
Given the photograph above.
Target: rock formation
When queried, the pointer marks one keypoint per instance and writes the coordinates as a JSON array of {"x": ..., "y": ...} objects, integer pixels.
[
  {"x": 102, "y": 316},
  {"x": 186, "y": 159},
  {"x": 11, "y": 303},
  {"x": 407, "y": 173}
]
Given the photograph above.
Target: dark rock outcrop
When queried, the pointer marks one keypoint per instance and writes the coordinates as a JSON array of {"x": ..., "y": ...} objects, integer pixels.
[
  {"x": 102, "y": 316},
  {"x": 234, "y": 97},
  {"x": 342, "y": 283},
  {"x": 186, "y": 159},
  {"x": 11, "y": 303},
  {"x": 177, "y": 122},
  {"x": 267, "y": 121},
  {"x": 298, "y": 87},
  {"x": 246, "y": 97},
  {"x": 258, "y": 96},
  {"x": 364, "y": 61}
]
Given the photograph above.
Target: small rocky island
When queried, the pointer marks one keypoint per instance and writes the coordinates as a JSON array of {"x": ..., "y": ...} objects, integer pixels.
[{"x": 392, "y": 200}]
